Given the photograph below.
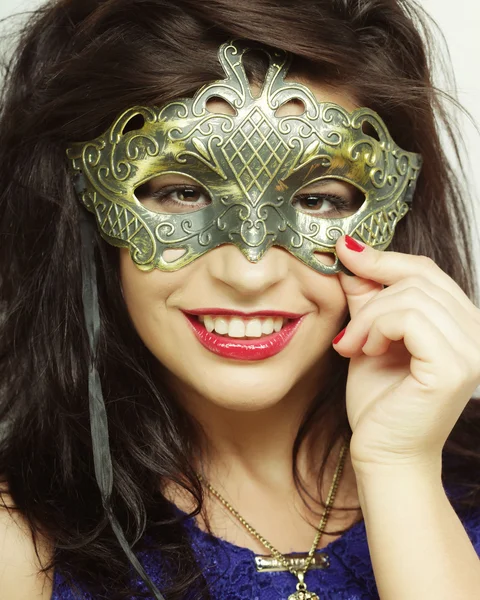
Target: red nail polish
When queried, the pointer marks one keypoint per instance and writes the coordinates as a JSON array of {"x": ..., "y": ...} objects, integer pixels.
[
  {"x": 352, "y": 244},
  {"x": 339, "y": 336}
]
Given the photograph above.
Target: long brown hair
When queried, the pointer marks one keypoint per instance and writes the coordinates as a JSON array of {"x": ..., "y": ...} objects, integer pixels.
[{"x": 77, "y": 64}]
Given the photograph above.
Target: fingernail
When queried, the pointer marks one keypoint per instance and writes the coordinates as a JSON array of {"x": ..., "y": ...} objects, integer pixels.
[
  {"x": 352, "y": 244},
  {"x": 339, "y": 336}
]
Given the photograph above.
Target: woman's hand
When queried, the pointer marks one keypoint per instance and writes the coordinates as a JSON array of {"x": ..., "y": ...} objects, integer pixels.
[{"x": 414, "y": 350}]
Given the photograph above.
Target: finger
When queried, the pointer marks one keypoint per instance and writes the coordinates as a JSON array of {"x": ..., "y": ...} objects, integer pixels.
[
  {"x": 458, "y": 306},
  {"x": 414, "y": 290},
  {"x": 463, "y": 336},
  {"x": 358, "y": 291},
  {"x": 422, "y": 338},
  {"x": 434, "y": 363},
  {"x": 387, "y": 267}
]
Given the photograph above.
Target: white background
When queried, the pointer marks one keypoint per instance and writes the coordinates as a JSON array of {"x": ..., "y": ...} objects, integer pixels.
[{"x": 460, "y": 23}]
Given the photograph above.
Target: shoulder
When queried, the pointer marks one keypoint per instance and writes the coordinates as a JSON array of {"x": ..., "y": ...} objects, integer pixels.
[{"x": 19, "y": 564}]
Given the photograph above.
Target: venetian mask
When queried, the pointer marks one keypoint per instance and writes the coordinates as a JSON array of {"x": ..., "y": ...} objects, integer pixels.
[{"x": 252, "y": 165}]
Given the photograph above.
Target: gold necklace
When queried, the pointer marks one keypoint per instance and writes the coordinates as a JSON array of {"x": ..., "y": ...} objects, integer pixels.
[{"x": 302, "y": 593}]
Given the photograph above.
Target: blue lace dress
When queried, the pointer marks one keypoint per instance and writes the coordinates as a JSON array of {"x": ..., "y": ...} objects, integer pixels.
[{"x": 231, "y": 573}]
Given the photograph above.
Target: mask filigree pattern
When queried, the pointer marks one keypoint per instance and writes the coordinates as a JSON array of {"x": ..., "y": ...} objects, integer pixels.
[{"x": 252, "y": 163}]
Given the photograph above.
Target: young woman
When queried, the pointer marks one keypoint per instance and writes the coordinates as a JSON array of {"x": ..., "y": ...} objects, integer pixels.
[{"x": 195, "y": 201}]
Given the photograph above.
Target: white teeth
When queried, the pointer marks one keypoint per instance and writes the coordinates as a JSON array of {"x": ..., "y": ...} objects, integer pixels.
[
  {"x": 236, "y": 328},
  {"x": 267, "y": 326},
  {"x": 209, "y": 324},
  {"x": 221, "y": 326},
  {"x": 254, "y": 328}
]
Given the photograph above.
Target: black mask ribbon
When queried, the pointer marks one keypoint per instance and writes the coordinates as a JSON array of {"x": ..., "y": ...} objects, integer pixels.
[{"x": 98, "y": 415}]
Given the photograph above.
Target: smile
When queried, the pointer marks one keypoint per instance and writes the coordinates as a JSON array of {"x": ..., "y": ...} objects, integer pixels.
[{"x": 244, "y": 337}]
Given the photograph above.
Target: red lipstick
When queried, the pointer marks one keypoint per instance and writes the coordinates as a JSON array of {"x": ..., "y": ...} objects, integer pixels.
[{"x": 244, "y": 349}]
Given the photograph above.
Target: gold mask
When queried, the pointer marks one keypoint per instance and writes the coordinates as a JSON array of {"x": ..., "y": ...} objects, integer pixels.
[{"x": 251, "y": 164}]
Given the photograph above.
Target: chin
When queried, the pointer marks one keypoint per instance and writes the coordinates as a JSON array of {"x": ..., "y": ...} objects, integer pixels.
[
  {"x": 239, "y": 390},
  {"x": 244, "y": 402}
]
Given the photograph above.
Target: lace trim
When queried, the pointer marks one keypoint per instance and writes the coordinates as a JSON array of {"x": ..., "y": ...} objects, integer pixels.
[{"x": 231, "y": 573}]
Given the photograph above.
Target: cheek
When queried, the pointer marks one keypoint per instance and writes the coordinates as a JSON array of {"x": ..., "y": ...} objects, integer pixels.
[
  {"x": 333, "y": 308},
  {"x": 145, "y": 293},
  {"x": 136, "y": 285},
  {"x": 326, "y": 293}
]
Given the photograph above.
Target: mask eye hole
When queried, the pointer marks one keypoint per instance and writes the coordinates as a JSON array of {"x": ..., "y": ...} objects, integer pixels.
[
  {"x": 170, "y": 255},
  {"x": 133, "y": 124},
  {"x": 370, "y": 130},
  {"x": 326, "y": 258},
  {"x": 220, "y": 106},
  {"x": 173, "y": 194},
  {"x": 294, "y": 107},
  {"x": 328, "y": 199}
]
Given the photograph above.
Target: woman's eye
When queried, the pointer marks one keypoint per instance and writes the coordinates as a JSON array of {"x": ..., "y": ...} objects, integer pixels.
[
  {"x": 324, "y": 205},
  {"x": 315, "y": 203},
  {"x": 188, "y": 195},
  {"x": 173, "y": 199},
  {"x": 329, "y": 198}
]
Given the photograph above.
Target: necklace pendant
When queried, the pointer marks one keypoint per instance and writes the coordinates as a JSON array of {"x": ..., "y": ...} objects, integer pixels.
[{"x": 303, "y": 594}]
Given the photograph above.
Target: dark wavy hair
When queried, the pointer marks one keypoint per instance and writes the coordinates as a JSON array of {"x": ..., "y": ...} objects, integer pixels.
[{"x": 76, "y": 65}]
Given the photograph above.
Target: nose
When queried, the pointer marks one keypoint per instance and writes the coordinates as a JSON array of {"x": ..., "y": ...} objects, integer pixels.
[{"x": 229, "y": 266}]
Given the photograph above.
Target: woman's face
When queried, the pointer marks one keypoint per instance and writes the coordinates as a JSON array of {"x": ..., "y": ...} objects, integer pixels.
[{"x": 230, "y": 366}]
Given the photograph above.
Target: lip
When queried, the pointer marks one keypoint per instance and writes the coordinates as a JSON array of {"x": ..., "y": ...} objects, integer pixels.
[{"x": 243, "y": 349}]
